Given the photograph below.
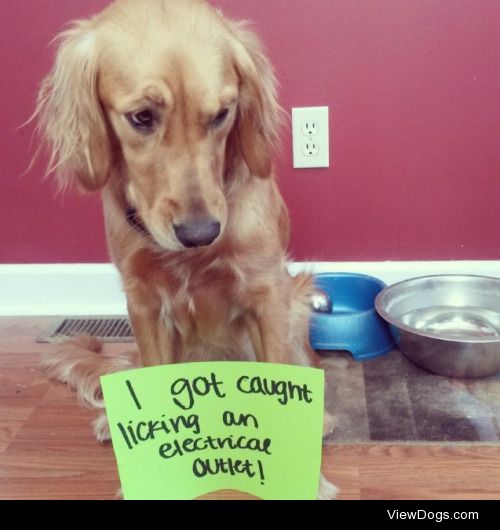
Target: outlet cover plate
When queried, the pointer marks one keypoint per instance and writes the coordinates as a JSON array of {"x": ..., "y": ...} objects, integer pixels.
[{"x": 310, "y": 133}]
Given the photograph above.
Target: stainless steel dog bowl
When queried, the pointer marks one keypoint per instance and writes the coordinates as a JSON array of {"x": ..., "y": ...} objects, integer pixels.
[{"x": 447, "y": 324}]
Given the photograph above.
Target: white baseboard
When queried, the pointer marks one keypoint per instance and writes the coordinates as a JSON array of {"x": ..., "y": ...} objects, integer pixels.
[
  {"x": 37, "y": 290},
  {"x": 396, "y": 271},
  {"x": 78, "y": 289}
]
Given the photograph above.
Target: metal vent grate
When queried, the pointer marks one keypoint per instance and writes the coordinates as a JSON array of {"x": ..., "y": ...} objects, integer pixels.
[{"x": 106, "y": 329}]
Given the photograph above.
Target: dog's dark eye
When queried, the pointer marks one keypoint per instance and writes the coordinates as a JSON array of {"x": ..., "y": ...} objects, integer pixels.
[
  {"x": 220, "y": 118},
  {"x": 144, "y": 120}
]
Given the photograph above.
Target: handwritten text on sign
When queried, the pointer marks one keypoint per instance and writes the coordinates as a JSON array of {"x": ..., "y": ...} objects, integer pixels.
[{"x": 180, "y": 431}]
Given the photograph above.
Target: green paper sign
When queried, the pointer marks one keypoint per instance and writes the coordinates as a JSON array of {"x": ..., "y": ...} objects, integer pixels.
[{"x": 182, "y": 431}]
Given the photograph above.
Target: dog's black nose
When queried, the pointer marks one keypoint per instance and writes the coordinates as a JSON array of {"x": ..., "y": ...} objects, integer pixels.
[{"x": 197, "y": 233}]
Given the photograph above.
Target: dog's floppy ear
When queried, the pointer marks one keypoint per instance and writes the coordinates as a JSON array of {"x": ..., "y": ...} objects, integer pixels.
[
  {"x": 70, "y": 116},
  {"x": 258, "y": 113}
]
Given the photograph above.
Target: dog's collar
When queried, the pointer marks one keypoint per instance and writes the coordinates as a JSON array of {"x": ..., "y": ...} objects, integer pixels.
[{"x": 134, "y": 220}]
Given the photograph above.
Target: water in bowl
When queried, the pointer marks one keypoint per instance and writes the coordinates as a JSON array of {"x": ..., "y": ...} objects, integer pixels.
[{"x": 461, "y": 323}]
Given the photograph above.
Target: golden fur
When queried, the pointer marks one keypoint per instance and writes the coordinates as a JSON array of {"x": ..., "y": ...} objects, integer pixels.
[{"x": 170, "y": 109}]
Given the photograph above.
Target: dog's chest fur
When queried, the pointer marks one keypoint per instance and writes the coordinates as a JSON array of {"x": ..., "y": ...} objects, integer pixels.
[{"x": 205, "y": 299}]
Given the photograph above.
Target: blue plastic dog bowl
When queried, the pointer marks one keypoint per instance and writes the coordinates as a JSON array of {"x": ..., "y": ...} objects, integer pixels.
[{"x": 353, "y": 325}]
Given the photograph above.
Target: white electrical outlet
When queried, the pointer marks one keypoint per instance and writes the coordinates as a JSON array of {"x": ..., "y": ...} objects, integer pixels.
[{"x": 311, "y": 144}]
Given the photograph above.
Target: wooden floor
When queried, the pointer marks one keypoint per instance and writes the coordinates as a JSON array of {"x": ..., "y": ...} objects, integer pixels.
[{"x": 47, "y": 450}]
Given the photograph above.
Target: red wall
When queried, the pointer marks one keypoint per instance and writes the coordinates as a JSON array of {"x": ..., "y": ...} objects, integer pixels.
[{"x": 414, "y": 93}]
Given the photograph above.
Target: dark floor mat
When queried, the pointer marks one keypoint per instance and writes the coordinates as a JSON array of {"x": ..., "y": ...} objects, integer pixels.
[{"x": 389, "y": 399}]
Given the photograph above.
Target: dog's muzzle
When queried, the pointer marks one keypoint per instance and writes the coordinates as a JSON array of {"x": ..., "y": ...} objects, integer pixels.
[{"x": 197, "y": 233}]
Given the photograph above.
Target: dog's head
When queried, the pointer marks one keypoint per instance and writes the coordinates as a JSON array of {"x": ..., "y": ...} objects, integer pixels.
[{"x": 169, "y": 97}]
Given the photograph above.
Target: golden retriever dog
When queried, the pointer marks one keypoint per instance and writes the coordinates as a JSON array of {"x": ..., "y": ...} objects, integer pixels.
[{"x": 169, "y": 110}]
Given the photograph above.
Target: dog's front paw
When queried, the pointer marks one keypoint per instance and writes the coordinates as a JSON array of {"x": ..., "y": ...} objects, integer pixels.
[
  {"x": 101, "y": 428},
  {"x": 326, "y": 491}
]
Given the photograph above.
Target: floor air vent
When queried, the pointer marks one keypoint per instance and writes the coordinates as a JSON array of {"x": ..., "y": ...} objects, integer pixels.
[{"x": 106, "y": 329}]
